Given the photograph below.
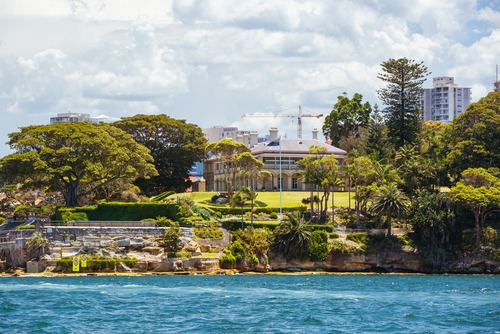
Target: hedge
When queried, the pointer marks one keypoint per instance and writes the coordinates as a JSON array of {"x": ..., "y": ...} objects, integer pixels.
[
  {"x": 235, "y": 224},
  {"x": 123, "y": 211},
  {"x": 237, "y": 211}
]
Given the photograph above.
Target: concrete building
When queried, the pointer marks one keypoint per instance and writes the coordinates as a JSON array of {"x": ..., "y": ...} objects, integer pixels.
[
  {"x": 279, "y": 157},
  {"x": 445, "y": 101},
  {"x": 216, "y": 133}
]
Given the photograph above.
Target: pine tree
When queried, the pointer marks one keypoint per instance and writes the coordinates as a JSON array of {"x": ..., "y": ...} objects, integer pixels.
[{"x": 402, "y": 98}]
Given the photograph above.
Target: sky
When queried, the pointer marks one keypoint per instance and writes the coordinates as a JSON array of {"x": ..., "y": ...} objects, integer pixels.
[{"x": 211, "y": 61}]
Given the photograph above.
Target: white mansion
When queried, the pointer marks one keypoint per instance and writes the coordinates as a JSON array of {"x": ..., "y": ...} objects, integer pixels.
[{"x": 289, "y": 150}]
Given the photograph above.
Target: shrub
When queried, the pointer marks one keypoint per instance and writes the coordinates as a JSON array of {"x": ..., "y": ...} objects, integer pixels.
[
  {"x": 337, "y": 247},
  {"x": 273, "y": 215},
  {"x": 227, "y": 261},
  {"x": 26, "y": 227},
  {"x": 318, "y": 250},
  {"x": 334, "y": 235},
  {"x": 361, "y": 238}
]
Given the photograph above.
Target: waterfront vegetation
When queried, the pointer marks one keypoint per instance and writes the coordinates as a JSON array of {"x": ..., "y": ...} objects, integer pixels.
[{"x": 391, "y": 181}]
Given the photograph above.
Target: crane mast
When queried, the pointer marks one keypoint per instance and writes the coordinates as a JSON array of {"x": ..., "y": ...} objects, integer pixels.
[{"x": 299, "y": 117}]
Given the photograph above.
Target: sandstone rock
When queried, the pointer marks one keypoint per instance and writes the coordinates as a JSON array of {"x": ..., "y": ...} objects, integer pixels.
[
  {"x": 153, "y": 250},
  {"x": 125, "y": 242}
]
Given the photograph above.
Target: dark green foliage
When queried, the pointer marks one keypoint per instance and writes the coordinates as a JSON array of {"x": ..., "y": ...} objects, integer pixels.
[
  {"x": 175, "y": 146},
  {"x": 346, "y": 118},
  {"x": 401, "y": 98},
  {"x": 273, "y": 215},
  {"x": 238, "y": 251},
  {"x": 318, "y": 250},
  {"x": 170, "y": 241},
  {"x": 212, "y": 233},
  {"x": 334, "y": 235},
  {"x": 163, "y": 222},
  {"x": 227, "y": 261},
  {"x": 126, "y": 211},
  {"x": 292, "y": 237}
]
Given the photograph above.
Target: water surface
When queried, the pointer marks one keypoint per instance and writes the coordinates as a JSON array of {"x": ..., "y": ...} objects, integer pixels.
[{"x": 251, "y": 303}]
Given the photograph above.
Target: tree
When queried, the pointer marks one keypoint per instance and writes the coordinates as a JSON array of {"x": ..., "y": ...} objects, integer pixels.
[
  {"x": 227, "y": 151},
  {"x": 402, "y": 98},
  {"x": 475, "y": 136},
  {"x": 346, "y": 118},
  {"x": 434, "y": 144},
  {"x": 75, "y": 159},
  {"x": 238, "y": 200},
  {"x": 323, "y": 171},
  {"x": 480, "y": 192},
  {"x": 175, "y": 146},
  {"x": 434, "y": 226},
  {"x": 248, "y": 194},
  {"x": 361, "y": 173},
  {"x": 391, "y": 202},
  {"x": 416, "y": 172},
  {"x": 249, "y": 168},
  {"x": 376, "y": 143},
  {"x": 292, "y": 237},
  {"x": 37, "y": 244}
]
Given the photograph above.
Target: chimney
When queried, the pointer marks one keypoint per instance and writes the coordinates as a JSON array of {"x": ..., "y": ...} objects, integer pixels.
[
  {"x": 254, "y": 138},
  {"x": 273, "y": 134},
  {"x": 315, "y": 134}
]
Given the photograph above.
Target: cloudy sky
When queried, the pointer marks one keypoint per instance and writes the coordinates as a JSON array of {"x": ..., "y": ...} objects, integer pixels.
[{"x": 210, "y": 61}]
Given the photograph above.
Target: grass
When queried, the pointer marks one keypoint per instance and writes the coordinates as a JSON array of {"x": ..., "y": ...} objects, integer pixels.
[{"x": 272, "y": 198}]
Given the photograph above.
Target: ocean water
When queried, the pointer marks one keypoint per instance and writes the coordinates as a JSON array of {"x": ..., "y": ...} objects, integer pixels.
[{"x": 251, "y": 303}]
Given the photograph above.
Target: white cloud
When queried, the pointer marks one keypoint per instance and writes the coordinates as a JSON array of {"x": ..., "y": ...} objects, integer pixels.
[{"x": 209, "y": 61}]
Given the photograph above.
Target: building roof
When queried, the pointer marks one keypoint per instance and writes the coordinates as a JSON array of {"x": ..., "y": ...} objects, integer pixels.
[{"x": 294, "y": 146}]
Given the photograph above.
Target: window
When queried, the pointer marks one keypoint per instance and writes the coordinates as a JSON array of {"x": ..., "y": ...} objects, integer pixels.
[{"x": 295, "y": 183}]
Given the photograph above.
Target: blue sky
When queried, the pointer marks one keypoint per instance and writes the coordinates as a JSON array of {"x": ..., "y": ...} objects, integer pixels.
[{"x": 210, "y": 61}]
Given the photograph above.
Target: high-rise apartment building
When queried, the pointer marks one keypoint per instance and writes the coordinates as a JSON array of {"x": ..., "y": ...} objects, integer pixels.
[{"x": 445, "y": 101}]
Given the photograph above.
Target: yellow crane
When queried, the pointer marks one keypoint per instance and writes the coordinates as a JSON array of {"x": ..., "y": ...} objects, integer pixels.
[{"x": 299, "y": 117}]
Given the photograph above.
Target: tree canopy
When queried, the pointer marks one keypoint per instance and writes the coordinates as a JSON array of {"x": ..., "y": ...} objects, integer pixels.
[
  {"x": 75, "y": 159},
  {"x": 175, "y": 146},
  {"x": 401, "y": 98},
  {"x": 475, "y": 136},
  {"x": 346, "y": 118}
]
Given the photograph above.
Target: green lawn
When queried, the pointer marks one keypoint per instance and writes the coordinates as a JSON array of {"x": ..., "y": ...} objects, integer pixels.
[{"x": 272, "y": 198}]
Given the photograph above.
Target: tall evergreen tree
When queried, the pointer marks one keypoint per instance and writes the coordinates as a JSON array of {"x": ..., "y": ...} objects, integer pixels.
[
  {"x": 402, "y": 98},
  {"x": 377, "y": 144}
]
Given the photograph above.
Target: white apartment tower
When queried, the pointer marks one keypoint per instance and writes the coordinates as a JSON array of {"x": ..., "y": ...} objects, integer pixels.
[{"x": 445, "y": 101}]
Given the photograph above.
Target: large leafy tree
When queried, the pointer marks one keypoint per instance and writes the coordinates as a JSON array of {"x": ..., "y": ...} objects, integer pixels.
[
  {"x": 479, "y": 190},
  {"x": 347, "y": 117},
  {"x": 175, "y": 146},
  {"x": 475, "y": 136},
  {"x": 75, "y": 159},
  {"x": 401, "y": 98},
  {"x": 228, "y": 151}
]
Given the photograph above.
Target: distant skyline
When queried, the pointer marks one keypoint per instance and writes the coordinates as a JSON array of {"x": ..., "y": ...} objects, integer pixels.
[{"x": 210, "y": 61}]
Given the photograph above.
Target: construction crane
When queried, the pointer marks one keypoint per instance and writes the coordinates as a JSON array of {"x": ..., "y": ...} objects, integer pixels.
[{"x": 299, "y": 117}]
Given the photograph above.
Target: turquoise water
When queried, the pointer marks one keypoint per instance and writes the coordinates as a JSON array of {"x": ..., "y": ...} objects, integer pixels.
[{"x": 251, "y": 303}]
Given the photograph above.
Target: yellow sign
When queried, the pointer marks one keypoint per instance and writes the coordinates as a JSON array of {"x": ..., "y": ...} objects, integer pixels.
[
  {"x": 83, "y": 261},
  {"x": 76, "y": 263}
]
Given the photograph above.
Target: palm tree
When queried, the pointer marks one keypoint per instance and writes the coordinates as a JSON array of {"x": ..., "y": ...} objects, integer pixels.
[
  {"x": 391, "y": 202},
  {"x": 335, "y": 182},
  {"x": 238, "y": 199},
  {"x": 249, "y": 194},
  {"x": 292, "y": 237},
  {"x": 37, "y": 244}
]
